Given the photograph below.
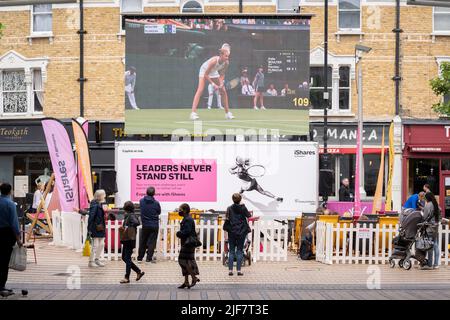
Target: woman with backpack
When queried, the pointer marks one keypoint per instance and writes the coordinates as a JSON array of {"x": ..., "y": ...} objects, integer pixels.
[
  {"x": 128, "y": 232},
  {"x": 189, "y": 242},
  {"x": 238, "y": 228}
]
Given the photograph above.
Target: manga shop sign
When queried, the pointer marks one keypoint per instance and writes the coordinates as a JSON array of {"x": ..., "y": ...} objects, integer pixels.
[{"x": 345, "y": 135}]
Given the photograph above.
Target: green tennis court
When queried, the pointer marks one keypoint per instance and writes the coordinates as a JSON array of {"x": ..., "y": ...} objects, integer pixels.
[{"x": 213, "y": 122}]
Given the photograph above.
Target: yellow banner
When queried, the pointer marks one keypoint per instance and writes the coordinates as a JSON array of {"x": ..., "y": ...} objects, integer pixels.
[
  {"x": 377, "y": 199},
  {"x": 84, "y": 159},
  {"x": 391, "y": 168}
]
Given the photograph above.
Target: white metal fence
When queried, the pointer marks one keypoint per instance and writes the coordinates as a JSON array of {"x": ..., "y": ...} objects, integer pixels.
[
  {"x": 268, "y": 241},
  {"x": 344, "y": 243}
]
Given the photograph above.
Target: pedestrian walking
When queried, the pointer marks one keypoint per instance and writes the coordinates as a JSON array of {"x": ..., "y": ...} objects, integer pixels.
[
  {"x": 186, "y": 258},
  {"x": 128, "y": 232},
  {"x": 432, "y": 213},
  {"x": 237, "y": 215},
  {"x": 9, "y": 235},
  {"x": 150, "y": 211},
  {"x": 97, "y": 227}
]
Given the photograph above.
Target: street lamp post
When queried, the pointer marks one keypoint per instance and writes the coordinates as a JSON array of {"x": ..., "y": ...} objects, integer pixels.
[
  {"x": 359, "y": 51},
  {"x": 325, "y": 156}
]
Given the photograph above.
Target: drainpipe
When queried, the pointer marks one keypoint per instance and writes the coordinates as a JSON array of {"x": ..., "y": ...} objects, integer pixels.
[{"x": 81, "y": 79}]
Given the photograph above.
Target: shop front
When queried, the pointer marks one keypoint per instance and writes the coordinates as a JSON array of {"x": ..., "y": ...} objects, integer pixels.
[
  {"x": 342, "y": 147},
  {"x": 426, "y": 156},
  {"x": 24, "y": 158}
]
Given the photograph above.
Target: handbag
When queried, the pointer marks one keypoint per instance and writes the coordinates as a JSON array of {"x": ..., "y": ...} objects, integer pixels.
[
  {"x": 87, "y": 247},
  {"x": 127, "y": 232},
  {"x": 18, "y": 259},
  {"x": 192, "y": 241},
  {"x": 424, "y": 244},
  {"x": 100, "y": 227}
]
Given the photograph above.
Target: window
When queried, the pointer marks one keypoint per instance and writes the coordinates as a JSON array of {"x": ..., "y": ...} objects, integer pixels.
[
  {"x": 316, "y": 88},
  {"x": 422, "y": 171},
  {"x": 38, "y": 91},
  {"x": 192, "y": 7},
  {"x": 288, "y": 5},
  {"x": 347, "y": 166},
  {"x": 332, "y": 166},
  {"x": 371, "y": 168},
  {"x": 14, "y": 92},
  {"x": 42, "y": 18},
  {"x": 344, "y": 88},
  {"x": 349, "y": 14},
  {"x": 131, "y": 6},
  {"x": 441, "y": 19}
]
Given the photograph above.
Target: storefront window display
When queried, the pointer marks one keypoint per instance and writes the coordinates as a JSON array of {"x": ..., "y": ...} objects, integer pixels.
[
  {"x": 343, "y": 166},
  {"x": 34, "y": 166},
  {"x": 423, "y": 171}
]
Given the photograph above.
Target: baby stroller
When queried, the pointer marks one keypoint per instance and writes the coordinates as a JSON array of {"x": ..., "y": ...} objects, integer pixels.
[
  {"x": 411, "y": 230},
  {"x": 247, "y": 248}
]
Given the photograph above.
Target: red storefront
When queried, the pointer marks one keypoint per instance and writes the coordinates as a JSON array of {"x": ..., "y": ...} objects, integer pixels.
[{"x": 426, "y": 159}]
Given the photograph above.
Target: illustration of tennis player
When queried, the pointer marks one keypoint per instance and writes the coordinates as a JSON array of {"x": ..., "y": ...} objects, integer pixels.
[
  {"x": 213, "y": 71},
  {"x": 247, "y": 173}
]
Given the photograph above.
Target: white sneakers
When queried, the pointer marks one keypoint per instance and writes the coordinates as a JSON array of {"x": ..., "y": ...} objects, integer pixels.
[
  {"x": 96, "y": 263},
  {"x": 229, "y": 116},
  {"x": 194, "y": 116},
  {"x": 262, "y": 108},
  {"x": 255, "y": 108}
]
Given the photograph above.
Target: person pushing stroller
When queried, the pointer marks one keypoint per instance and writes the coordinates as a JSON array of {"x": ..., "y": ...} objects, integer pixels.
[{"x": 238, "y": 228}]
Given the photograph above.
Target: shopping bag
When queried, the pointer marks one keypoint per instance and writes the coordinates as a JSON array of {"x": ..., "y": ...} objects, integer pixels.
[
  {"x": 87, "y": 248},
  {"x": 18, "y": 259}
]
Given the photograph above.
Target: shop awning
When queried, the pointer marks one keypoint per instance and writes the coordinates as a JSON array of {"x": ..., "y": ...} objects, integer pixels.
[{"x": 352, "y": 150}]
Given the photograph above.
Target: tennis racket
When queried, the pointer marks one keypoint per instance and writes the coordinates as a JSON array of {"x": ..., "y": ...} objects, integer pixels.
[
  {"x": 256, "y": 171},
  {"x": 233, "y": 83}
]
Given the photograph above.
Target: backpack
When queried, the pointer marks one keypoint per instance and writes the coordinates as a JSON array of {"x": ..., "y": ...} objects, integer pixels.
[{"x": 305, "y": 251}]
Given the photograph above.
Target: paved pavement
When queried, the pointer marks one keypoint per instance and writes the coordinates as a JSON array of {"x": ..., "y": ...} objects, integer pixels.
[{"x": 62, "y": 273}]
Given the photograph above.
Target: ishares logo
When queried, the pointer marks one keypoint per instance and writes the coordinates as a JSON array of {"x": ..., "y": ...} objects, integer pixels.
[
  {"x": 68, "y": 191},
  {"x": 302, "y": 153}
]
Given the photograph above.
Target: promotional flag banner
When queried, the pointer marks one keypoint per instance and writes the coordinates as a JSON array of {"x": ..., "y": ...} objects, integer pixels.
[
  {"x": 357, "y": 177},
  {"x": 391, "y": 168},
  {"x": 63, "y": 163},
  {"x": 377, "y": 199},
  {"x": 84, "y": 159}
]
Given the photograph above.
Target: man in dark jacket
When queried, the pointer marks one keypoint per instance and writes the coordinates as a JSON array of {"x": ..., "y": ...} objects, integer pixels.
[
  {"x": 150, "y": 211},
  {"x": 345, "y": 194}
]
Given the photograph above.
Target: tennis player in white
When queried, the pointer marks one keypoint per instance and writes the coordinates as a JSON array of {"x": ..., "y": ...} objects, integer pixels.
[{"x": 213, "y": 71}]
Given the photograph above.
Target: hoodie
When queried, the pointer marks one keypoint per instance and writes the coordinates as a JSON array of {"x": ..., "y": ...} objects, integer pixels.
[{"x": 150, "y": 211}]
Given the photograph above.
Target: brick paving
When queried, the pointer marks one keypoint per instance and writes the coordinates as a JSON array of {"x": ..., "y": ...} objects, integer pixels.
[{"x": 293, "y": 279}]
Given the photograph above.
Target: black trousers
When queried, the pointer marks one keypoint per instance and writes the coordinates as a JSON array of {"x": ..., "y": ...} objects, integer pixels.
[
  {"x": 7, "y": 241},
  {"x": 127, "y": 251},
  {"x": 148, "y": 238}
]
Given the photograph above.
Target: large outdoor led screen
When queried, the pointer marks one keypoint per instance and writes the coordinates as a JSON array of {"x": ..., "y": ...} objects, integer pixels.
[{"x": 217, "y": 75}]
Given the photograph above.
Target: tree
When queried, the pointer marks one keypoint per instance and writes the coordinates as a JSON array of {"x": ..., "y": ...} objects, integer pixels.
[{"x": 441, "y": 87}]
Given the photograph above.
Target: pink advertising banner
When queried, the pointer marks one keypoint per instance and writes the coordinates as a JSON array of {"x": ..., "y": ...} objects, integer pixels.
[
  {"x": 63, "y": 163},
  {"x": 175, "y": 179},
  {"x": 343, "y": 207}
]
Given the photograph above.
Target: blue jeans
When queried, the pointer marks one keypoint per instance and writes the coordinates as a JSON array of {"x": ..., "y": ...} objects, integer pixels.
[
  {"x": 235, "y": 248},
  {"x": 435, "y": 253}
]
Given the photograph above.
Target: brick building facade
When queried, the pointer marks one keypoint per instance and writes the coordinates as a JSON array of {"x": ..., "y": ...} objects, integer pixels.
[{"x": 39, "y": 58}]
